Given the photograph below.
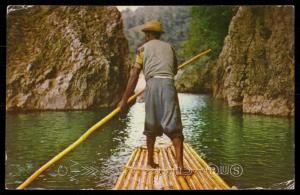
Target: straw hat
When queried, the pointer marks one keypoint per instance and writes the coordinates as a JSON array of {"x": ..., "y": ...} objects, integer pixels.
[{"x": 151, "y": 26}]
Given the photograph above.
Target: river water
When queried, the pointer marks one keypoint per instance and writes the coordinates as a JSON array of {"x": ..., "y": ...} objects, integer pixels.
[{"x": 248, "y": 151}]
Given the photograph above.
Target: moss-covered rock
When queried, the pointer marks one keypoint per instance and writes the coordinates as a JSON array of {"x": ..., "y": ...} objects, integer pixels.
[
  {"x": 195, "y": 78},
  {"x": 255, "y": 69},
  {"x": 259, "y": 53},
  {"x": 65, "y": 57}
]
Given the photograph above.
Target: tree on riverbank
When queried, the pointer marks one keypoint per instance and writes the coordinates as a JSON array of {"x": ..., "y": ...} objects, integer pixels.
[{"x": 207, "y": 29}]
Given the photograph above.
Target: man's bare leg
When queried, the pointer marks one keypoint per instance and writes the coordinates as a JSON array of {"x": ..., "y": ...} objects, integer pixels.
[
  {"x": 150, "y": 147},
  {"x": 178, "y": 145}
]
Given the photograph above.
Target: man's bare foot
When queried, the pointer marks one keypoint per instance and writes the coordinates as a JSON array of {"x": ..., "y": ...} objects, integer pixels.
[
  {"x": 153, "y": 165},
  {"x": 183, "y": 171}
]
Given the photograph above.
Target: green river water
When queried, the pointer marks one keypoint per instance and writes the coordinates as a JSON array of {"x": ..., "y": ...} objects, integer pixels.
[{"x": 250, "y": 151}]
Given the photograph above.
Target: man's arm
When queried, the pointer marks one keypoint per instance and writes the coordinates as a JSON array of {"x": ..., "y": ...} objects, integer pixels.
[
  {"x": 175, "y": 61},
  {"x": 133, "y": 79}
]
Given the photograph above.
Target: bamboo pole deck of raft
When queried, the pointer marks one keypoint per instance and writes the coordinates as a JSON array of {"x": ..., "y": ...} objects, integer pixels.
[{"x": 136, "y": 174}]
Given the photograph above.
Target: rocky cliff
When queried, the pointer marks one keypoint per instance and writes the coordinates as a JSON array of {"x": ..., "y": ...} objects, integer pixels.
[
  {"x": 255, "y": 69},
  {"x": 65, "y": 57}
]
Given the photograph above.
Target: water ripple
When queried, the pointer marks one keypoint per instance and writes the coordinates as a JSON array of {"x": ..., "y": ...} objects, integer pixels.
[{"x": 262, "y": 145}]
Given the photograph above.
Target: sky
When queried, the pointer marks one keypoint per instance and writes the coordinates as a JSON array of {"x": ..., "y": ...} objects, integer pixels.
[{"x": 121, "y": 8}]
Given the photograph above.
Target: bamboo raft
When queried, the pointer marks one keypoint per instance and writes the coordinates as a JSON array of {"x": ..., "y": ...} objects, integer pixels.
[{"x": 136, "y": 175}]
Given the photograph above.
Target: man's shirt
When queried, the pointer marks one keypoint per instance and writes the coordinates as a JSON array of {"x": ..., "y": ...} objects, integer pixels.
[{"x": 156, "y": 58}]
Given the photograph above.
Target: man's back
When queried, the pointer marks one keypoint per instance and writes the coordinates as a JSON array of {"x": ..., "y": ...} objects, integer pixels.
[{"x": 159, "y": 59}]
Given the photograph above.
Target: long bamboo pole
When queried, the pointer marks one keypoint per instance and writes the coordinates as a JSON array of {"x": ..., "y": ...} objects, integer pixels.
[
  {"x": 138, "y": 172},
  {"x": 128, "y": 178},
  {"x": 124, "y": 173},
  {"x": 207, "y": 167},
  {"x": 180, "y": 178},
  {"x": 164, "y": 175},
  {"x": 175, "y": 182},
  {"x": 191, "y": 165},
  {"x": 83, "y": 137},
  {"x": 199, "y": 174},
  {"x": 206, "y": 178}
]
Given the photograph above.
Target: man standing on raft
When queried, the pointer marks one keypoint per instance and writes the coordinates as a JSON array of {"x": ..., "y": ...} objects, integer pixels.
[{"x": 159, "y": 63}]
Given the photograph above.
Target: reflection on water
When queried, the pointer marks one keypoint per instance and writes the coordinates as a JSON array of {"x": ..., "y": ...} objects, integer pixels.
[{"x": 263, "y": 146}]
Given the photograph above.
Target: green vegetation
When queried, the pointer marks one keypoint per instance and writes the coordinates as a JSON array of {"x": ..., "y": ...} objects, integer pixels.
[
  {"x": 175, "y": 21},
  {"x": 190, "y": 29},
  {"x": 207, "y": 29}
]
